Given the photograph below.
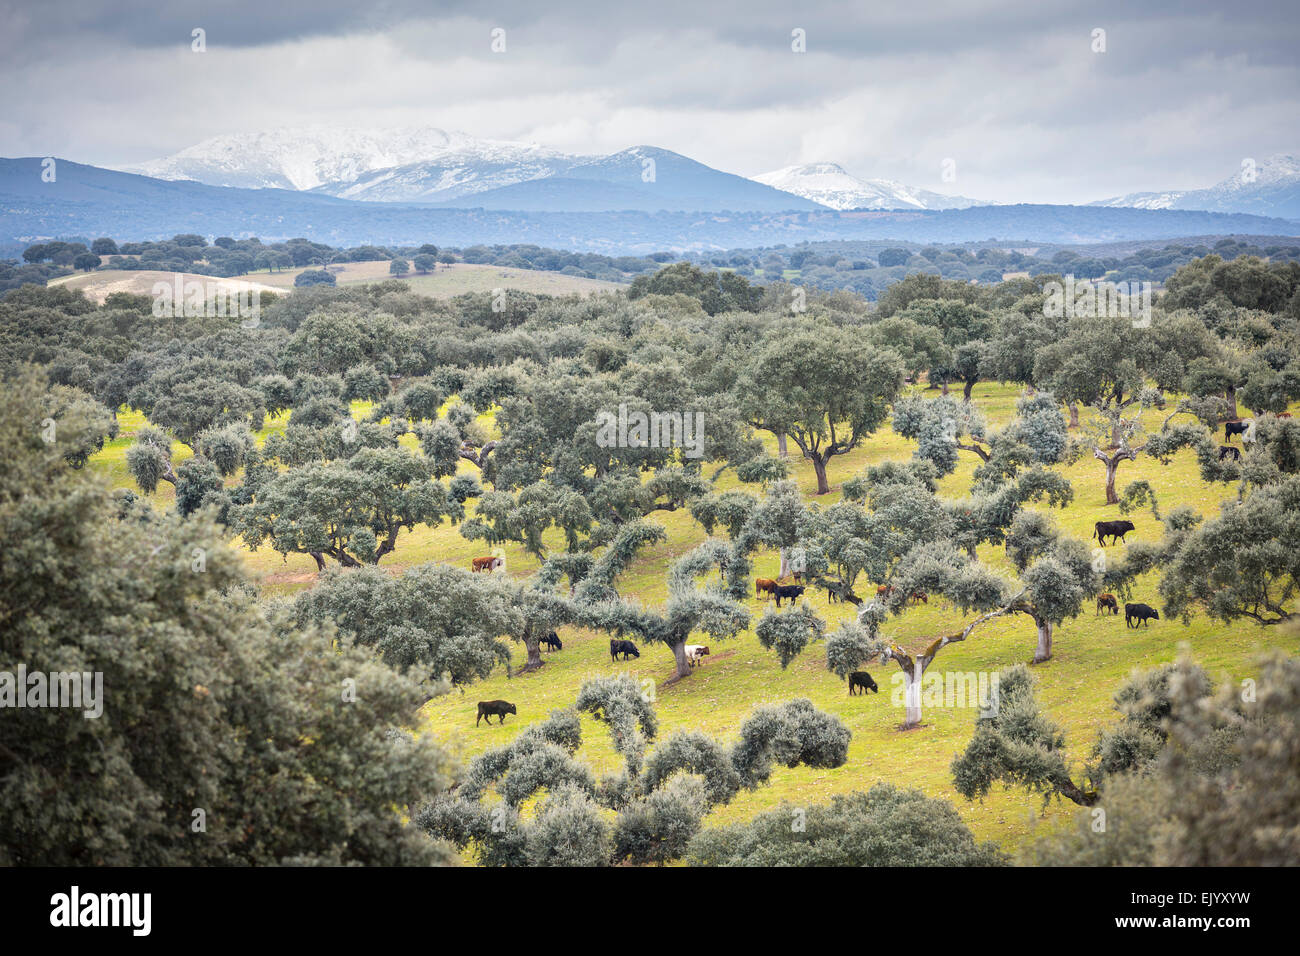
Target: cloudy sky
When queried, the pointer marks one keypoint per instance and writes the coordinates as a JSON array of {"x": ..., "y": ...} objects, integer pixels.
[{"x": 1013, "y": 92}]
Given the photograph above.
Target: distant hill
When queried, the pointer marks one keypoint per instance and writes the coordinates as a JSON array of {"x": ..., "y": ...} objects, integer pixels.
[{"x": 89, "y": 201}]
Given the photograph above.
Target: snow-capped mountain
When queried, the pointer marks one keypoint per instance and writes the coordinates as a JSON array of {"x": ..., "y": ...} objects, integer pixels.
[
  {"x": 830, "y": 185},
  {"x": 431, "y": 165},
  {"x": 396, "y": 165},
  {"x": 643, "y": 178},
  {"x": 1270, "y": 188}
]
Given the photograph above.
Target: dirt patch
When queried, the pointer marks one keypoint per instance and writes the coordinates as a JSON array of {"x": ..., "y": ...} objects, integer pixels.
[{"x": 290, "y": 577}]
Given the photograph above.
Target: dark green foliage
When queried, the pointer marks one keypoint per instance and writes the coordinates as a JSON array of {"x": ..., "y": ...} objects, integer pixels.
[
  {"x": 206, "y": 707},
  {"x": 659, "y": 807},
  {"x": 885, "y": 826}
]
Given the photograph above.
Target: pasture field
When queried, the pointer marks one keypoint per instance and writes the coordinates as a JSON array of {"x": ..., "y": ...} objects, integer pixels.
[
  {"x": 98, "y": 286},
  {"x": 1092, "y": 655},
  {"x": 446, "y": 282}
]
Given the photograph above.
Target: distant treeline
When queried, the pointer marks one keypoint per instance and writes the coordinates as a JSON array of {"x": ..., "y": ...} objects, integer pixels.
[
  {"x": 869, "y": 267},
  {"x": 866, "y": 268}
]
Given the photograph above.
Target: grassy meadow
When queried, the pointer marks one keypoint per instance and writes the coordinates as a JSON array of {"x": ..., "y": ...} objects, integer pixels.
[
  {"x": 1092, "y": 655},
  {"x": 446, "y": 282}
]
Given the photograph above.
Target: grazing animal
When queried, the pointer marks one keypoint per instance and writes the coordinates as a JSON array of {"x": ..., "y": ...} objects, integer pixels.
[
  {"x": 486, "y": 708},
  {"x": 1236, "y": 428},
  {"x": 764, "y": 586},
  {"x": 920, "y": 597},
  {"x": 798, "y": 577},
  {"x": 863, "y": 680},
  {"x": 1283, "y": 414},
  {"x": 1141, "y": 613},
  {"x": 1229, "y": 450},
  {"x": 695, "y": 654},
  {"x": 853, "y": 599},
  {"x": 1116, "y": 530},
  {"x": 552, "y": 641},
  {"x": 789, "y": 592},
  {"x": 626, "y": 648},
  {"x": 486, "y": 563},
  {"x": 1108, "y": 602},
  {"x": 884, "y": 590}
]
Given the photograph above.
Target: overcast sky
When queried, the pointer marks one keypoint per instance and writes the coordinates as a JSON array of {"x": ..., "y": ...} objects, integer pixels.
[{"x": 1013, "y": 92}]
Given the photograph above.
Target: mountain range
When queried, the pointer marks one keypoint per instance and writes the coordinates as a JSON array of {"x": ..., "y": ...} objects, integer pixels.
[
  {"x": 89, "y": 201},
  {"x": 451, "y": 169}
]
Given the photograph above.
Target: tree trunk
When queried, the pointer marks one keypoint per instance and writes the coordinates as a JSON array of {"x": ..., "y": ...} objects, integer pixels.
[
  {"x": 965, "y": 392},
  {"x": 1044, "y": 650},
  {"x": 785, "y": 564},
  {"x": 679, "y": 653},
  {"x": 781, "y": 446},
  {"x": 912, "y": 698},
  {"x": 819, "y": 466},
  {"x": 1230, "y": 396},
  {"x": 1112, "y": 466},
  {"x": 1074, "y": 415},
  {"x": 320, "y": 560},
  {"x": 533, "y": 643},
  {"x": 945, "y": 387}
]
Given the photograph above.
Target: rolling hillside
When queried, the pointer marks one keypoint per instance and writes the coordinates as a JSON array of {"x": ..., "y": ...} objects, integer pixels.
[{"x": 1092, "y": 655}]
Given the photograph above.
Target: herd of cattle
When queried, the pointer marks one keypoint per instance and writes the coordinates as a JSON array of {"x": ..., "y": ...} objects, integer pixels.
[{"x": 1135, "y": 614}]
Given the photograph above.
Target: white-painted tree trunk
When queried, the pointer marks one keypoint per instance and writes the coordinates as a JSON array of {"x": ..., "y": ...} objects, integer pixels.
[
  {"x": 785, "y": 564},
  {"x": 912, "y": 698}
]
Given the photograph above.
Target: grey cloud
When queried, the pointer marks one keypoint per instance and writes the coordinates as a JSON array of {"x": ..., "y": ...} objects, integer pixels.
[{"x": 1011, "y": 90}]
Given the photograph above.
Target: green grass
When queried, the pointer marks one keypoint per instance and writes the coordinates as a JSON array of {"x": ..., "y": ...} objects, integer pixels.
[
  {"x": 1091, "y": 655},
  {"x": 446, "y": 282}
]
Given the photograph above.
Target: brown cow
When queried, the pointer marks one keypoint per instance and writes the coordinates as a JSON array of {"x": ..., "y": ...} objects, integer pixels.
[
  {"x": 487, "y": 563},
  {"x": 1107, "y": 601},
  {"x": 884, "y": 590},
  {"x": 764, "y": 586},
  {"x": 920, "y": 597}
]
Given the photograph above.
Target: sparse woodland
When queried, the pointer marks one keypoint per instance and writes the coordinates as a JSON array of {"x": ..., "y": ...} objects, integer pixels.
[{"x": 263, "y": 536}]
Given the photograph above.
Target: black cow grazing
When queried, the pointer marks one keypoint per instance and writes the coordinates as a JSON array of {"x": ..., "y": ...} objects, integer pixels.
[
  {"x": 789, "y": 592},
  {"x": 839, "y": 591},
  {"x": 863, "y": 680},
  {"x": 1116, "y": 530},
  {"x": 1141, "y": 613},
  {"x": 1235, "y": 428},
  {"x": 486, "y": 708},
  {"x": 552, "y": 641},
  {"x": 626, "y": 648},
  {"x": 1229, "y": 451}
]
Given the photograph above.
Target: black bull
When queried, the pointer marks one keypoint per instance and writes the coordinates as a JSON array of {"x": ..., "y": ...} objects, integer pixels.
[{"x": 1114, "y": 529}]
